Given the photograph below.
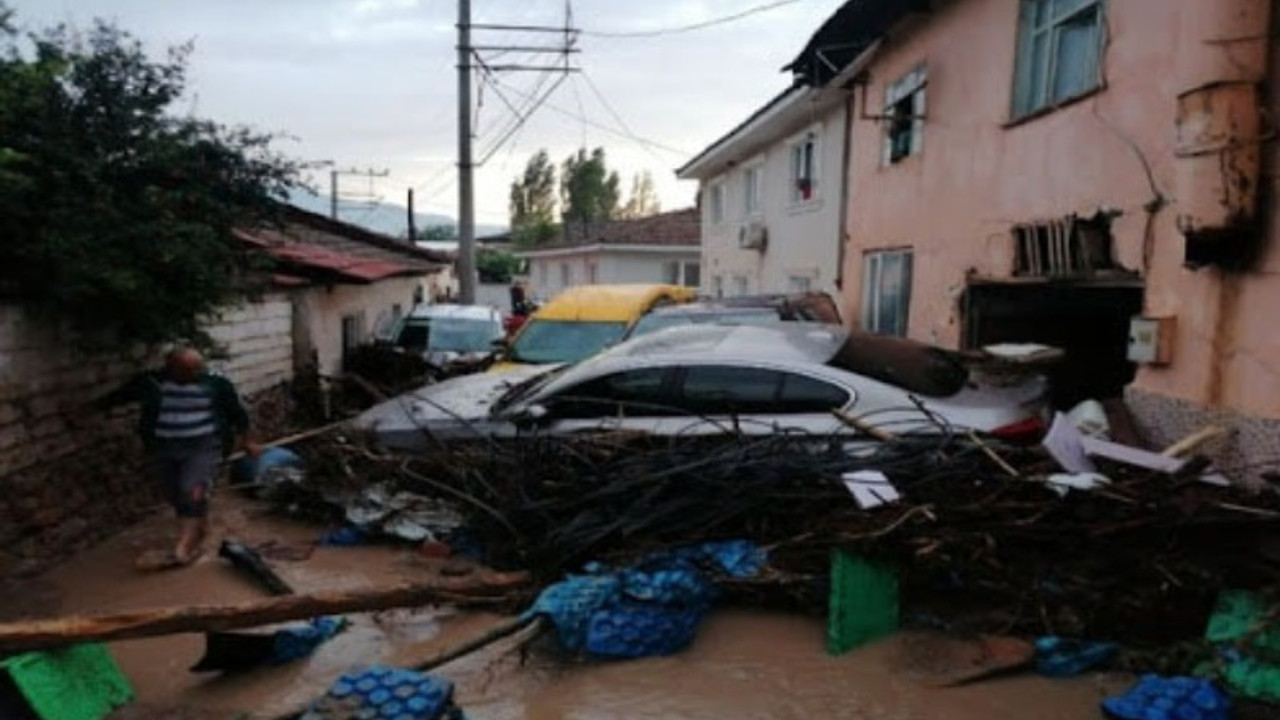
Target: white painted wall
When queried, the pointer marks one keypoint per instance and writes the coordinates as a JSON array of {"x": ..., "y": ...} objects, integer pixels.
[
  {"x": 613, "y": 266},
  {"x": 318, "y": 313},
  {"x": 257, "y": 338},
  {"x": 804, "y": 238}
]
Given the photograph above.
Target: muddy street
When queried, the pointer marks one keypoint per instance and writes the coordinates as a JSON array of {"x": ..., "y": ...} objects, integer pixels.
[{"x": 744, "y": 664}]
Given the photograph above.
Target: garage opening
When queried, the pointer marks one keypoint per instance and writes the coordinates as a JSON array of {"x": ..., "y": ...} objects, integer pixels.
[{"x": 1089, "y": 320}]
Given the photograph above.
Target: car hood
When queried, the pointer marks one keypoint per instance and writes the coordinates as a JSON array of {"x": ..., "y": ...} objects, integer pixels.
[{"x": 460, "y": 399}]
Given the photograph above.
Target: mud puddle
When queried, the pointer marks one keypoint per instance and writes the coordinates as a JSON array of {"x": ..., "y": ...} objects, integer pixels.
[{"x": 744, "y": 665}]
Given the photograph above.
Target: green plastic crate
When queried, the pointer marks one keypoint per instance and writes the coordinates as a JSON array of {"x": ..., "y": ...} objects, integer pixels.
[
  {"x": 81, "y": 682},
  {"x": 863, "y": 604}
]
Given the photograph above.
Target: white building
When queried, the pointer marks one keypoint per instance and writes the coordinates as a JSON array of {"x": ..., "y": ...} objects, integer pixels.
[
  {"x": 772, "y": 196},
  {"x": 661, "y": 248}
]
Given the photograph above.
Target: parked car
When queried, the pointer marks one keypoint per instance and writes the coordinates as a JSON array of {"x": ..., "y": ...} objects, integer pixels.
[
  {"x": 584, "y": 320},
  {"x": 444, "y": 334},
  {"x": 703, "y": 379},
  {"x": 814, "y": 307}
]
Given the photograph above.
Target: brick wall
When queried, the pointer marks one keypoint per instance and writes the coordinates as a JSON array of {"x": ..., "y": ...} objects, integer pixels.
[{"x": 68, "y": 478}]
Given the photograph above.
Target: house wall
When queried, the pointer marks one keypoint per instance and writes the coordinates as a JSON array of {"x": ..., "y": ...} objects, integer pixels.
[
  {"x": 318, "y": 313},
  {"x": 614, "y": 266},
  {"x": 69, "y": 477},
  {"x": 978, "y": 174},
  {"x": 803, "y": 239}
]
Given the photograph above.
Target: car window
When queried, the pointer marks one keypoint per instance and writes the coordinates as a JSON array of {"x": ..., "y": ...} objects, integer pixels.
[
  {"x": 650, "y": 323},
  {"x": 556, "y": 341},
  {"x": 631, "y": 393},
  {"x": 721, "y": 390},
  {"x": 454, "y": 335},
  {"x": 801, "y": 394},
  {"x": 414, "y": 336}
]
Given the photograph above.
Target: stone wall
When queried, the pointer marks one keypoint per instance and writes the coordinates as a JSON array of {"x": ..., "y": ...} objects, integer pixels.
[{"x": 69, "y": 477}]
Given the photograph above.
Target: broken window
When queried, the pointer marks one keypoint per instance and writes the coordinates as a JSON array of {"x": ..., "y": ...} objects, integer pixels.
[
  {"x": 904, "y": 108},
  {"x": 1067, "y": 247},
  {"x": 804, "y": 175},
  {"x": 886, "y": 292},
  {"x": 1059, "y": 48}
]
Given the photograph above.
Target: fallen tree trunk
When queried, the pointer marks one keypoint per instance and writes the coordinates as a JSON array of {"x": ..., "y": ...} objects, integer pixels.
[{"x": 42, "y": 634}]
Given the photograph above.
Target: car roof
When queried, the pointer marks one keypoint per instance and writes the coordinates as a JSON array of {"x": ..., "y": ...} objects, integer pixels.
[
  {"x": 456, "y": 312},
  {"x": 784, "y": 342},
  {"x": 713, "y": 308},
  {"x": 605, "y": 303}
]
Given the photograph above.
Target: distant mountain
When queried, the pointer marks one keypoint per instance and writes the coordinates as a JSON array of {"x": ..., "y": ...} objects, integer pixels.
[{"x": 386, "y": 218}]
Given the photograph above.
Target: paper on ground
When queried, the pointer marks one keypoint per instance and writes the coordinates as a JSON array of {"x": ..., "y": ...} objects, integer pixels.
[{"x": 870, "y": 488}]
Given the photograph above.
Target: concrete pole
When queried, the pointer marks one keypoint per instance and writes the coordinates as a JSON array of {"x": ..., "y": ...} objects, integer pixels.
[{"x": 466, "y": 263}]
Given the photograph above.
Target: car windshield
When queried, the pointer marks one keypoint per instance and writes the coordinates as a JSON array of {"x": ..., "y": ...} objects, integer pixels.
[
  {"x": 650, "y": 323},
  {"x": 454, "y": 335},
  {"x": 567, "y": 341}
]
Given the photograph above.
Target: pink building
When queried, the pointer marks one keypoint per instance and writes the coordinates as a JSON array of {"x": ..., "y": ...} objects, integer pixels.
[{"x": 1093, "y": 174}]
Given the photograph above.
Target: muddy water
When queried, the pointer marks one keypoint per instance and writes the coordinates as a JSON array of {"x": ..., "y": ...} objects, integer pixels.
[{"x": 743, "y": 665}]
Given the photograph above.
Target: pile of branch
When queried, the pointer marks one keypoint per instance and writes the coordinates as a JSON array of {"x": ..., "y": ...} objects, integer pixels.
[{"x": 977, "y": 532}]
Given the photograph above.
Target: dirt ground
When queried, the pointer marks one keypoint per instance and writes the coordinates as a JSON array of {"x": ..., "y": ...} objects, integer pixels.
[{"x": 743, "y": 665}]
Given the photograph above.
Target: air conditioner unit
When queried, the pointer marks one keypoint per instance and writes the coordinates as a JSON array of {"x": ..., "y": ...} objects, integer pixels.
[{"x": 753, "y": 236}]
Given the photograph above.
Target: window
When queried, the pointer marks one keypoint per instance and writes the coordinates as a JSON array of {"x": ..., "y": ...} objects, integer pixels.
[
  {"x": 593, "y": 274},
  {"x": 728, "y": 390},
  {"x": 671, "y": 272},
  {"x": 717, "y": 286},
  {"x": 740, "y": 285},
  {"x": 717, "y": 204},
  {"x": 352, "y": 331},
  {"x": 542, "y": 274},
  {"x": 692, "y": 274},
  {"x": 1069, "y": 247},
  {"x": 752, "y": 189},
  {"x": 635, "y": 393},
  {"x": 886, "y": 292},
  {"x": 904, "y": 107},
  {"x": 804, "y": 175},
  {"x": 566, "y": 275},
  {"x": 799, "y": 284},
  {"x": 396, "y": 312},
  {"x": 1059, "y": 43}
]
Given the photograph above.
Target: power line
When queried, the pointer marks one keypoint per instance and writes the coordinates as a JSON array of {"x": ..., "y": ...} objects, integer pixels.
[
  {"x": 600, "y": 126},
  {"x": 696, "y": 26},
  {"x": 591, "y": 85}
]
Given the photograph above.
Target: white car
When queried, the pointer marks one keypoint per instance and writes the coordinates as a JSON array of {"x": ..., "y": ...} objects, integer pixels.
[
  {"x": 708, "y": 379},
  {"x": 446, "y": 333}
]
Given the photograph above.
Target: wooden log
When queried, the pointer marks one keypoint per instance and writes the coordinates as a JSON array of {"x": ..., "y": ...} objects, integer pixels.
[
  {"x": 57, "y": 632},
  {"x": 1192, "y": 442},
  {"x": 863, "y": 426}
]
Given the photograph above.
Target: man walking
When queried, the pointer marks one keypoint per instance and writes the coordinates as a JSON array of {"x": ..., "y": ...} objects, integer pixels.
[{"x": 190, "y": 420}]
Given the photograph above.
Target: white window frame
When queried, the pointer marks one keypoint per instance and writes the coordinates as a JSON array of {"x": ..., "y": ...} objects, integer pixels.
[
  {"x": 1034, "y": 82},
  {"x": 796, "y": 172},
  {"x": 741, "y": 285},
  {"x": 753, "y": 190},
  {"x": 873, "y": 263},
  {"x": 715, "y": 203},
  {"x": 907, "y": 93}
]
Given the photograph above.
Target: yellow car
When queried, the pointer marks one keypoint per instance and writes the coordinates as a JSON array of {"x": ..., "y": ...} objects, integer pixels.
[{"x": 584, "y": 320}]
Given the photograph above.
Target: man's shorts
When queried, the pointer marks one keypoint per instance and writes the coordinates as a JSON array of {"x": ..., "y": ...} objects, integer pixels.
[{"x": 186, "y": 470}]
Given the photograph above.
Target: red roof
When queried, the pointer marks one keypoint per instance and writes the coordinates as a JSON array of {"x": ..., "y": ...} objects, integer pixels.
[{"x": 311, "y": 246}]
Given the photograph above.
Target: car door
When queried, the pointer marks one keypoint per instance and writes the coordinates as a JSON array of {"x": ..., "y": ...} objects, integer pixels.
[
  {"x": 626, "y": 400},
  {"x": 757, "y": 400}
]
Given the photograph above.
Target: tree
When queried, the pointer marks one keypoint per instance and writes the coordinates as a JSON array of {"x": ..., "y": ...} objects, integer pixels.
[
  {"x": 644, "y": 199},
  {"x": 115, "y": 213},
  {"x": 533, "y": 201},
  {"x": 588, "y": 189},
  {"x": 497, "y": 266}
]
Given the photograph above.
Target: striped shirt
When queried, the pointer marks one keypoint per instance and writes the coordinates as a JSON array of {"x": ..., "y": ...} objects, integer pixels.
[{"x": 186, "y": 411}]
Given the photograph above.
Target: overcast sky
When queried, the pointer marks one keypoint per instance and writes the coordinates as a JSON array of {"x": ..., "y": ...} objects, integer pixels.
[{"x": 371, "y": 83}]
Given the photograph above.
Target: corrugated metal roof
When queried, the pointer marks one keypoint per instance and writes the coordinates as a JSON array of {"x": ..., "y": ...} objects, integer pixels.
[{"x": 319, "y": 248}]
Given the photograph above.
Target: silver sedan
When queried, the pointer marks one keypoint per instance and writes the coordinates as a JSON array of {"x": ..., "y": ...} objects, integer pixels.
[{"x": 716, "y": 379}]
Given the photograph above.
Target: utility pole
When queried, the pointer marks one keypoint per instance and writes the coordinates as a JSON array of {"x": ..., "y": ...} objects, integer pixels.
[
  {"x": 466, "y": 267},
  {"x": 413, "y": 221},
  {"x": 333, "y": 185}
]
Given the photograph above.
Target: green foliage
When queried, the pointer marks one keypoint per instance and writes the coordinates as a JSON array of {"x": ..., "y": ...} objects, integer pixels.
[
  {"x": 114, "y": 212},
  {"x": 496, "y": 266},
  {"x": 533, "y": 202},
  {"x": 437, "y": 233},
  {"x": 644, "y": 198},
  {"x": 588, "y": 189}
]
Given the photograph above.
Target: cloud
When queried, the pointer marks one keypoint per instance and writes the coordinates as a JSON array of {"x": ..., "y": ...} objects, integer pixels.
[{"x": 371, "y": 83}]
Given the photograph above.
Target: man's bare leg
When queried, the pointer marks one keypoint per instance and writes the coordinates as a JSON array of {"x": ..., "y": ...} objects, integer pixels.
[{"x": 191, "y": 542}]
